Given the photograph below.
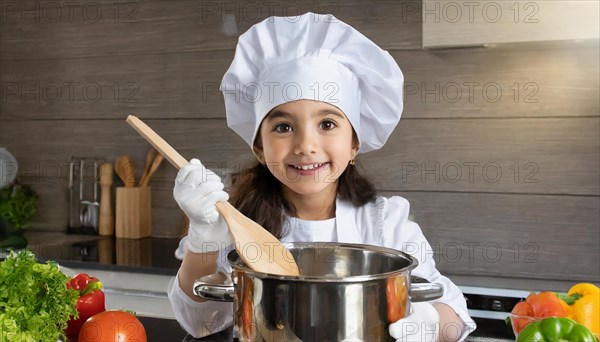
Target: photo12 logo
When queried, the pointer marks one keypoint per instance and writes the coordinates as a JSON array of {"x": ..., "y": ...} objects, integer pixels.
[
  {"x": 69, "y": 92},
  {"x": 473, "y": 251},
  {"x": 479, "y": 11},
  {"x": 254, "y": 92},
  {"x": 49, "y": 12},
  {"x": 470, "y": 91},
  {"x": 454, "y": 172},
  {"x": 254, "y": 12}
]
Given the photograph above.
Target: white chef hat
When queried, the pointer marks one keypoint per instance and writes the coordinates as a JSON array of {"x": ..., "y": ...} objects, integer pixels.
[{"x": 315, "y": 57}]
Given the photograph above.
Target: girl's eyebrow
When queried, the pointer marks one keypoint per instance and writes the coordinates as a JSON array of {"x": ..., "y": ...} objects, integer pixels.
[
  {"x": 278, "y": 114},
  {"x": 324, "y": 112},
  {"x": 285, "y": 115}
]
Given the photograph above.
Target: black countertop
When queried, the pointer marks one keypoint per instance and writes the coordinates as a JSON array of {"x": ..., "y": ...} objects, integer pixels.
[
  {"x": 148, "y": 255},
  {"x": 161, "y": 330}
]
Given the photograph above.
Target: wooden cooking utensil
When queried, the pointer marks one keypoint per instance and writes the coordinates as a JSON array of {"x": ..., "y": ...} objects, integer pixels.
[
  {"x": 152, "y": 153},
  {"x": 106, "y": 224},
  {"x": 258, "y": 248},
  {"x": 125, "y": 169},
  {"x": 155, "y": 164}
]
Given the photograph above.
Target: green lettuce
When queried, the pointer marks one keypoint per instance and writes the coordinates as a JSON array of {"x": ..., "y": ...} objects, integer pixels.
[
  {"x": 35, "y": 303},
  {"x": 18, "y": 204}
]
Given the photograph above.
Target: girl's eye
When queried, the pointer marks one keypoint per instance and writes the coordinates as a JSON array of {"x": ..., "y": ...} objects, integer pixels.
[
  {"x": 328, "y": 125},
  {"x": 283, "y": 128}
]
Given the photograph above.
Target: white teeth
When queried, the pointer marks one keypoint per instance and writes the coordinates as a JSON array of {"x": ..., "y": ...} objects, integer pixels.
[{"x": 308, "y": 167}]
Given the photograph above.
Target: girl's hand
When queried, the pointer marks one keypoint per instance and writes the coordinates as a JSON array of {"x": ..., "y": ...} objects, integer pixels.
[
  {"x": 422, "y": 325},
  {"x": 196, "y": 191}
]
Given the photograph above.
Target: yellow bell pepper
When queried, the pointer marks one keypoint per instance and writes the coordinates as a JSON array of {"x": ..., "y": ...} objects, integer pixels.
[{"x": 586, "y": 308}]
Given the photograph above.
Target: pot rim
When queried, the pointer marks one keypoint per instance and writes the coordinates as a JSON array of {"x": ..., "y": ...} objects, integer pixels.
[{"x": 413, "y": 263}]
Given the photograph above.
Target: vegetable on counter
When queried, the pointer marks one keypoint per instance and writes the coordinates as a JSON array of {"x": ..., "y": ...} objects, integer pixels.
[
  {"x": 537, "y": 305},
  {"x": 18, "y": 204},
  {"x": 112, "y": 325},
  {"x": 556, "y": 329},
  {"x": 90, "y": 302},
  {"x": 35, "y": 303},
  {"x": 546, "y": 304},
  {"x": 581, "y": 304},
  {"x": 586, "y": 307}
]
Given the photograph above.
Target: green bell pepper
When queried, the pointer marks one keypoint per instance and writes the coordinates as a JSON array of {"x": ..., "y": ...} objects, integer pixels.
[{"x": 556, "y": 329}]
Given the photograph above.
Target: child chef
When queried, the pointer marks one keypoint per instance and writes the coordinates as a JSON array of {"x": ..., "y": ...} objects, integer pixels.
[{"x": 307, "y": 93}]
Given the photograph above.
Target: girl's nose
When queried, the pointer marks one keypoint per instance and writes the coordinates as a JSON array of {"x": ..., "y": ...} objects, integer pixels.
[{"x": 306, "y": 142}]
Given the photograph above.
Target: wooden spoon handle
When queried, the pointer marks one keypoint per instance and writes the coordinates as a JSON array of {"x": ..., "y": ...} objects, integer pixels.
[
  {"x": 150, "y": 156},
  {"x": 155, "y": 140},
  {"x": 155, "y": 164},
  {"x": 273, "y": 257}
]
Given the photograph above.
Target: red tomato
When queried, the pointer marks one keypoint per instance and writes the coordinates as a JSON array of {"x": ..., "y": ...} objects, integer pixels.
[
  {"x": 521, "y": 309},
  {"x": 112, "y": 325},
  {"x": 546, "y": 304},
  {"x": 535, "y": 307}
]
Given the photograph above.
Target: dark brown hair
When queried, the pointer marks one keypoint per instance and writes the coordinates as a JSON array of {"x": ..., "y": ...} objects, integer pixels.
[{"x": 256, "y": 193}]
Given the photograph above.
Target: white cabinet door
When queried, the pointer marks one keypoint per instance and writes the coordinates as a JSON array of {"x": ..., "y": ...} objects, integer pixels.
[{"x": 465, "y": 23}]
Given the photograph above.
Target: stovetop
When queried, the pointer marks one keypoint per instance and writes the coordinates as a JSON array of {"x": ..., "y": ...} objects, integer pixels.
[{"x": 148, "y": 255}]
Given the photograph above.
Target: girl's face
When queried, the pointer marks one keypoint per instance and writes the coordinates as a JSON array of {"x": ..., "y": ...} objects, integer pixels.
[{"x": 307, "y": 145}]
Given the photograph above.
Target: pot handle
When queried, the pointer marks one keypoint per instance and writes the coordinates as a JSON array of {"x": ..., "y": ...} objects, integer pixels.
[
  {"x": 422, "y": 292},
  {"x": 213, "y": 287}
]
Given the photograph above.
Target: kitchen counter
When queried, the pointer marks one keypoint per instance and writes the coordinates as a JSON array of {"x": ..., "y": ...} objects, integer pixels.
[
  {"x": 136, "y": 274},
  {"x": 156, "y": 256},
  {"x": 161, "y": 330},
  {"x": 149, "y": 255}
]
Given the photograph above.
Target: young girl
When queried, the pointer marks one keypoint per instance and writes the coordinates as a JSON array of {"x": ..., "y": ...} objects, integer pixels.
[{"x": 308, "y": 94}]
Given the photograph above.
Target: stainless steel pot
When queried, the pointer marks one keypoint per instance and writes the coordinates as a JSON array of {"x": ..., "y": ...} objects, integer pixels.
[{"x": 345, "y": 292}]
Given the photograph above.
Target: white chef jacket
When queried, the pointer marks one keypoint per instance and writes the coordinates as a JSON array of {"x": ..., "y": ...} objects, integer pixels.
[{"x": 383, "y": 222}]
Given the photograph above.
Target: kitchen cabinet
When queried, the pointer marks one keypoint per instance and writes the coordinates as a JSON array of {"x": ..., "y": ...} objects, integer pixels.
[{"x": 468, "y": 23}]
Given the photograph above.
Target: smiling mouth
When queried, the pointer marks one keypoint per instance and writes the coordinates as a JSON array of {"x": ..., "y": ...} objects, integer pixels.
[{"x": 308, "y": 167}]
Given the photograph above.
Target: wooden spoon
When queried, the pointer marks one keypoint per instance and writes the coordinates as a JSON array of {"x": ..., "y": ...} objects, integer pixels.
[
  {"x": 149, "y": 159},
  {"x": 155, "y": 164},
  {"x": 258, "y": 248},
  {"x": 125, "y": 169}
]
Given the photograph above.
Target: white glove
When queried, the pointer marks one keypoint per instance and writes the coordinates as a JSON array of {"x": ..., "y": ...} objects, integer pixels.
[
  {"x": 196, "y": 191},
  {"x": 422, "y": 325}
]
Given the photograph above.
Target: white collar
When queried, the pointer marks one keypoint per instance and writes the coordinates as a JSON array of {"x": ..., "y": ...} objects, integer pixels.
[{"x": 345, "y": 222}]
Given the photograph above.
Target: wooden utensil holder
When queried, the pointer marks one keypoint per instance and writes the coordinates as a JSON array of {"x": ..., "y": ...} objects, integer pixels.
[{"x": 133, "y": 217}]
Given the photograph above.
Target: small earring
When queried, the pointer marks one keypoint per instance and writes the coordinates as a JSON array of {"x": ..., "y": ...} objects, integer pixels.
[{"x": 352, "y": 162}]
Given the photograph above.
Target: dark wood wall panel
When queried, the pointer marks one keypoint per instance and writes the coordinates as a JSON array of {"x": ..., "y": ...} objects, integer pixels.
[
  {"x": 526, "y": 236},
  {"x": 163, "y": 60},
  {"x": 553, "y": 155},
  {"x": 535, "y": 156},
  {"x": 460, "y": 83},
  {"x": 177, "y": 85},
  {"x": 105, "y": 28}
]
